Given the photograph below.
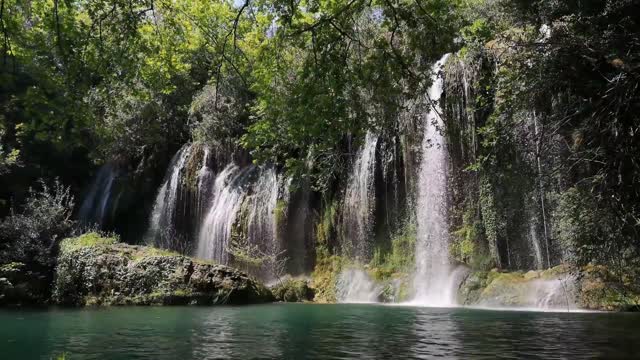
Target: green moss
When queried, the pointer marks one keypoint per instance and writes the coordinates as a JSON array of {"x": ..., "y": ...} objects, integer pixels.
[
  {"x": 87, "y": 240},
  {"x": 325, "y": 275},
  {"x": 151, "y": 251},
  {"x": 182, "y": 292},
  {"x": 280, "y": 213},
  {"x": 11, "y": 267},
  {"x": 399, "y": 259},
  {"x": 325, "y": 227},
  {"x": 490, "y": 219}
]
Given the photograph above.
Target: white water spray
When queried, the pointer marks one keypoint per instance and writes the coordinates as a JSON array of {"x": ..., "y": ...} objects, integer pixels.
[
  {"x": 434, "y": 279},
  {"x": 355, "y": 286}
]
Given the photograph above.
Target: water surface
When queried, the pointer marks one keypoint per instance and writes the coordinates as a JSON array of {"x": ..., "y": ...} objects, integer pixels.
[{"x": 298, "y": 331}]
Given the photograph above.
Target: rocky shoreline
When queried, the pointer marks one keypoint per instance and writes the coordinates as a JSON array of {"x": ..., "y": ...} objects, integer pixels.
[
  {"x": 97, "y": 271},
  {"x": 92, "y": 270}
]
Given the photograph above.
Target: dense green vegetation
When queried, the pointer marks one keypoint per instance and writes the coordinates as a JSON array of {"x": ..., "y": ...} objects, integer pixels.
[{"x": 297, "y": 84}]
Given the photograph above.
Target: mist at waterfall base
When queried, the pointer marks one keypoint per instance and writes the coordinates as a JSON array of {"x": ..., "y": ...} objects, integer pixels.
[
  {"x": 298, "y": 331},
  {"x": 355, "y": 286}
]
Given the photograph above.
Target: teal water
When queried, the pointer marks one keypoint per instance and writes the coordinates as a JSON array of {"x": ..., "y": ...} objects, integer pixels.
[{"x": 301, "y": 331}]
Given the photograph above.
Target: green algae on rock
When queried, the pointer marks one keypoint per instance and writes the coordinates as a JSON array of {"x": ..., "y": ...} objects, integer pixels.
[{"x": 104, "y": 272}]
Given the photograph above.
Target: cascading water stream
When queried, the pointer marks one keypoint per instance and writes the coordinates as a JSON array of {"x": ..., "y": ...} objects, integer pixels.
[
  {"x": 96, "y": 204},
  {"x": 358, "y": 202},
  {"x": 261, "y": 226},
  {"x": 164, "y": 208},
  {"x": 228, "y": 194},
  {"x": 534, "y": 240},
  {"x": 251, "y": 192},
  {"x": 205, "y": 177},
  {"x": 434, "y": 279}
]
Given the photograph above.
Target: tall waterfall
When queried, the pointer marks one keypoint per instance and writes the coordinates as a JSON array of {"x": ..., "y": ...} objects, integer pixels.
[
  {"x": 434, "y": 277},
  {"x": 358, "y": 202},
  {"x": 99, "y": 200},
  {"x": 215, "y": 233}
]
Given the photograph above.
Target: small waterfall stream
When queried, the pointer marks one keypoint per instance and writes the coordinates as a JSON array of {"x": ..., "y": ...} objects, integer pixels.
[
  {"x": 433, "y": 280},
  {"x": 534, "y": 240},
  {"x": 205, "y": 178},
  {"x": 99, "y": 200},
  {"x": 261, "y": 205},
  {"x": 166, "y": 204},
  {"x": 358, "y": 201}
]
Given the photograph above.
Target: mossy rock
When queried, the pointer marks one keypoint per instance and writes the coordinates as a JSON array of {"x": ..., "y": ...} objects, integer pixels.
[
  {"x": 293, "y": 290},
  {"x": 98, "y": 271},
  {"x": 471, "y": 288},
  {"x": 325, "y": 276},
  {"x": 600, "y": 289},
  {"x": 553, "y": 288}
]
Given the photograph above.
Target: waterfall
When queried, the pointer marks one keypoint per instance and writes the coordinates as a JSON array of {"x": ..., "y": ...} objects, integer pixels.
[
  {"x": 262, "y": 205},
  {"x": 166, "y": 204},
  {"x": 534, "y": 240},
  {"x": 358, "y": 202},
  {"x": 205, "y": 177},
  {"x": 97, "y": 203},
  {"x": 243, "y": 199},
  {"x": 227, "y": 196},
  {"x": 261, "y": 220},
  {"x": 355, "y": 286},
  {"x": 434, "y": 280}
]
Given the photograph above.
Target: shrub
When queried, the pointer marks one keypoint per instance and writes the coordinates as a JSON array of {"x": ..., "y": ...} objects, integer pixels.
[{"x": 32, "y": 235}]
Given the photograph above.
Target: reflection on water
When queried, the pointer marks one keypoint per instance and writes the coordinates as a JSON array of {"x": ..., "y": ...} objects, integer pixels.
[
  {"x": 435, "y": 333},
  {"x": 315, "y": 331}
]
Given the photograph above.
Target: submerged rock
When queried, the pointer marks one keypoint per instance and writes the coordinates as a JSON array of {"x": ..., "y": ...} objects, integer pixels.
[{"x": 97, "y": 271}]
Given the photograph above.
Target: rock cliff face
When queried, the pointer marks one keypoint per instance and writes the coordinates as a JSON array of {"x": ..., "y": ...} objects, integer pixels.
[{"x": 98, "y": 271}]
